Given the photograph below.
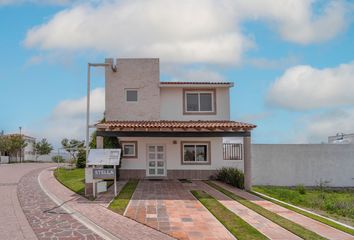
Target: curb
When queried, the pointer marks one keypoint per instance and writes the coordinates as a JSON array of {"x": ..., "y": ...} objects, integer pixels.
[{"x": 79, "y": 217}]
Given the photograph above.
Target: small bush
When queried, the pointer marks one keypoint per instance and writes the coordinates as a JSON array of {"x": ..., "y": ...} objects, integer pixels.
[
  {"x": 232, "y": 176},
  {"x": 58, "y": 158},
  {"x": 81, "y": 159},
  {"x": 301, "y": 189}
]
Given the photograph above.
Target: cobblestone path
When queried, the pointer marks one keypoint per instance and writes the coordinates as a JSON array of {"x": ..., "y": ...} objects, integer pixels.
[{"x": 47, "y": 219}]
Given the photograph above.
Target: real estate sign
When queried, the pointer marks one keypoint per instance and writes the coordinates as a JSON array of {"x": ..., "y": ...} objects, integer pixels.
[{"x": 104, "y": 157}]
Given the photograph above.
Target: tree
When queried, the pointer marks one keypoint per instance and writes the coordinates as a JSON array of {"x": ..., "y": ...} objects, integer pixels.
[
  {"x": 42, "y": 148},
  {"x": 81, "y": 158},
  {"x": 72, "y": 146},
  {"x": 108, "y": 142},
  {"x": 12, "y": 144}
]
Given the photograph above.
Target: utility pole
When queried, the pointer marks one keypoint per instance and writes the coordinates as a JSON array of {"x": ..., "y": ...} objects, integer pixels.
[{"x": 21, "y": 145}]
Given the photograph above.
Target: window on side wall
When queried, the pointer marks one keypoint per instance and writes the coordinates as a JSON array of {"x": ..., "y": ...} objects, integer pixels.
[
  {"x": 199, "y": 102},
  {"x": 130, "y": 149},
  {"x": 131, "y": 95},
  {"x": 195, "y": 153}
]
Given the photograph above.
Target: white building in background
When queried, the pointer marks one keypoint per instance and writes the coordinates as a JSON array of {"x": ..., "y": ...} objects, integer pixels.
[{"x": 342, "y": 138}]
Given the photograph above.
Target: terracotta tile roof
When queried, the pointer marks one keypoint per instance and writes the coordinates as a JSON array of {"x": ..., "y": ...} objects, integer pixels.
[
  {"x": 197, "y": 83},
  {"x": 183, "y": 125}
]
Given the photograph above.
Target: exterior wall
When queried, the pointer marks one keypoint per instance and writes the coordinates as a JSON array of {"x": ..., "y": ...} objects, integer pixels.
[
  {"x": 140, "y": 74},
  {"x": 308, "y": 164},
  {"x": 28, "y": 151},
  {"x": 173, "y": 155},
  {"x": 172, "y": 105}
]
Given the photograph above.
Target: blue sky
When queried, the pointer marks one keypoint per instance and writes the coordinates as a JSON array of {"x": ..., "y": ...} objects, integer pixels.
[{"x": 291, "y": 61}]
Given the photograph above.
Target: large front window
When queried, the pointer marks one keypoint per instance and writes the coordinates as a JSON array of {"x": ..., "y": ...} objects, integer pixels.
[
  {"x": 195, "y": 153},
  {"x": 199, "y": 102}
]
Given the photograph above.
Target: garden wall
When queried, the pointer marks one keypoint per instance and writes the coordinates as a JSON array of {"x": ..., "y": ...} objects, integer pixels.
[{"x": 307, "y": 164}]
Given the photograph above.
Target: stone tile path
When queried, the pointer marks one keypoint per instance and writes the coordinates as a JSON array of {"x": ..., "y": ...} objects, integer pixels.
[
  {"x": 171, "y": 208},
  {"x": 117, "y": 225},
  {"x": 315, "y": 226},
  {"x": 262, "y": 224},
  {"x": 47, "y": 219},
  {"x": 13, "y": 222}
]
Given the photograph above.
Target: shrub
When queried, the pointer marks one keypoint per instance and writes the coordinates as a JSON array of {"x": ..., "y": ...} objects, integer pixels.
[
  {"x": 81, "y": 159},
  {"x": 58, "y": 158},
  {"x": 301, "y": 189},
  {"x": 232, "y": 176}
]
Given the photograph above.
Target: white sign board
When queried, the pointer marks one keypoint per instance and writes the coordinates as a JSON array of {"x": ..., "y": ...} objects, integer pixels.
[{"x": 104, "y": 157}]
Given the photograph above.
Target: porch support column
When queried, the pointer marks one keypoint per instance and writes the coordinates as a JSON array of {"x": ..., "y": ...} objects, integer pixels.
[
  {"x": 99, "y": 142},
  {"x": 247, "y": 162}
]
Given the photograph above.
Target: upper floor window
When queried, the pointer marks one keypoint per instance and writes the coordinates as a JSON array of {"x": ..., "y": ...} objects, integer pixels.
[
  {"x": 131, "y": 95},
  {"x": 199, "y": 102}
]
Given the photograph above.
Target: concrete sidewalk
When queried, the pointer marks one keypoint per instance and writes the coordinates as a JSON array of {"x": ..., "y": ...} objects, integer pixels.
[
  {"x": 315, "y": 226},
  {"x": 96, "y": 213}
]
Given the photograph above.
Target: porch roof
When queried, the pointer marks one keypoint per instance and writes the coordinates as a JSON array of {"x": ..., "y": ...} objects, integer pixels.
[{"x": 176, "y": 126}]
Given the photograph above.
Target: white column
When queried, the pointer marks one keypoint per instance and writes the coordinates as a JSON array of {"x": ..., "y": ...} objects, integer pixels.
[
  {"x": 247, "y": 162},
  {"x": 99, "y": 142}
]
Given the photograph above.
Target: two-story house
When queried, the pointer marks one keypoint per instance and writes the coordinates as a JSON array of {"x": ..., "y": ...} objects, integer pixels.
[{"x": 174, "y": 130}]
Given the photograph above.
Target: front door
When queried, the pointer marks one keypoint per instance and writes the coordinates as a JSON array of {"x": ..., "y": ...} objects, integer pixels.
[{"x": 156, "y": 161}]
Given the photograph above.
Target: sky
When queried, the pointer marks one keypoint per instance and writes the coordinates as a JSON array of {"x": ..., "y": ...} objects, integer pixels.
[{"x": 292, "y": 61}]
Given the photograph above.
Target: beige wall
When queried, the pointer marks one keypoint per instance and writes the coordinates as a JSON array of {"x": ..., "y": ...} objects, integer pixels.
[
  {"x": 141, "y": 74},
  {"x": 172, "y": 105},
  {"x": 173, "y": 154}
]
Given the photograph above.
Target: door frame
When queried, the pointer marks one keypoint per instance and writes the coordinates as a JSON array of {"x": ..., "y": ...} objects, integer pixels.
[{"x": 147, "y": 160}]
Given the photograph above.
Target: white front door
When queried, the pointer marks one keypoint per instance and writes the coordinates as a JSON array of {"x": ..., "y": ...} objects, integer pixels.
[{"x": 156, "y": 164}]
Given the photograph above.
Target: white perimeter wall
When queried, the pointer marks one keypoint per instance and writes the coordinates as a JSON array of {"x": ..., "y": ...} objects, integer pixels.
[
  {"x": 292, "y": 164},
  {"x": 173, "y": 153}
]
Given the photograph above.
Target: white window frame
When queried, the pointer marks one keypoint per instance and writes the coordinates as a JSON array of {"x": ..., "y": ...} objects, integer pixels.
[
  {"x": 208, "y": 150},
  {"x": 126, "y": 95},
  {"x": 135, "y": 154},
  {"x": 199, "y": 92}
]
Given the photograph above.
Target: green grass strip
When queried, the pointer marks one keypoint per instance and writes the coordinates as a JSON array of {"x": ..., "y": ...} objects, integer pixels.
[
  {"x": 310, "y": 215},
  {"x": 74, "y": 179},
  {"x": 120, "y": 202},
  {"x": 236, "y": 225},
  {"x": 281, "y": 221}
]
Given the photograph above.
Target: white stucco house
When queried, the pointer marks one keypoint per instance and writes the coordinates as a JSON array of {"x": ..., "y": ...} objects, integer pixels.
[
  {"x": 172, "y": 130},
  {"x": 27, "y": 153}
]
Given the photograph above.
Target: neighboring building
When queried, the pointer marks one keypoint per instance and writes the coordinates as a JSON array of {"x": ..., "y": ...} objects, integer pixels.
[
  {"x": 173, "y": 130},
  {"x": 28, "y": 153},
  {"x": 342, "y": 138}
]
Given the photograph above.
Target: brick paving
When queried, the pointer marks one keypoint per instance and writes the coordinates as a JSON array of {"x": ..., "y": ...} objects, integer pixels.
[
  {"x": 262, "y": 224},
  {"x": 170, "y": 207},
  {"x": 47, "y": 219},
  {"x": 118, "y": 225},
  {"x": 315, "y": 226},
  {"x": 13, "y": 222}
]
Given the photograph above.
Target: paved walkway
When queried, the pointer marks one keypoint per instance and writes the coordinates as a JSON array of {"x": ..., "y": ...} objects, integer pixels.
[
  {"x": 13, "y": 222},
  {"x": 171, "y": 208},
  {"x": 47, "y": 219},
  {"x": 315, "y": 226},
  {"x": 262, "y": 224},
  {"x": 97, "y": 213}
]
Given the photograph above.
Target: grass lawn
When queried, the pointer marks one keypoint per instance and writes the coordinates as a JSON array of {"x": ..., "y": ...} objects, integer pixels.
[
  {"x": 236, "y": 225},
  {"x": 281, "y": 221},
  {"x": 333, "y": 203},
  {"x": 120, "y": 202},
  {"x": 73, "y": 179}
]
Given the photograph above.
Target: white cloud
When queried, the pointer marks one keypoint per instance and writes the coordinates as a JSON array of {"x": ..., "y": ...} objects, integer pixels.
[
  {"x": 182, "y": 31},
  {"x": 317, "y": 128},
  {"x": 68, "y": 119},
  {"x": 304, "y": 87}
]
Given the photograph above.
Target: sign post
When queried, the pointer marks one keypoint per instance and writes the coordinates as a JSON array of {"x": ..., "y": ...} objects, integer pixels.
[{"x": 104, "y": 157}]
